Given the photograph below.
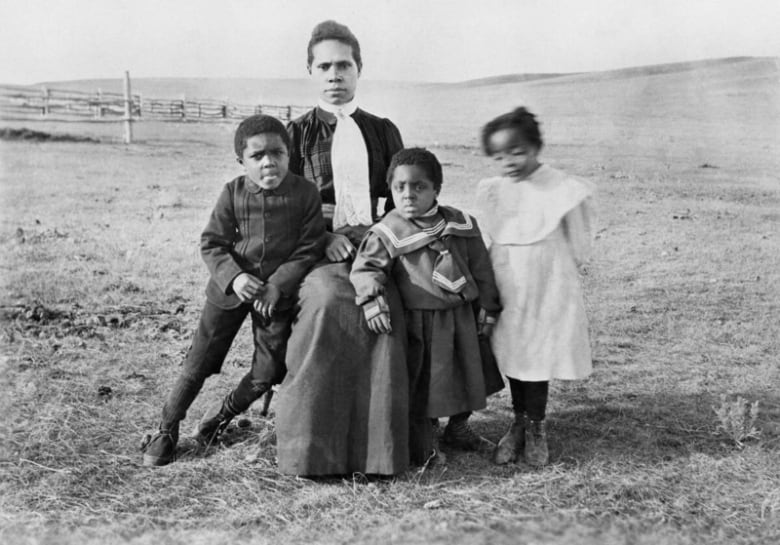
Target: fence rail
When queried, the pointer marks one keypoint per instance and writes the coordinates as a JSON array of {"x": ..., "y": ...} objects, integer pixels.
[{"x": 23, "y": 103}]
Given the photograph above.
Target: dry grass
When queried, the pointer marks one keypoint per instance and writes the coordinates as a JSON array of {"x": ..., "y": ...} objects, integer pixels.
[{"x": 102, "y": 284}]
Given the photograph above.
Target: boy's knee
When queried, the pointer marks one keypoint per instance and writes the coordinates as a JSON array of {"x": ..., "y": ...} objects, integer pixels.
[{"x": 194, "y": 375}]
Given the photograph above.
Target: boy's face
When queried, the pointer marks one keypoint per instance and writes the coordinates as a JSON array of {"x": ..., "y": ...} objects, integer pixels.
[
  {"x": 413, "y": 191},
  {"x": 515, "y": 155},
  {"x": 334, "y": 70},
  {"x": 265, "y": 159}
]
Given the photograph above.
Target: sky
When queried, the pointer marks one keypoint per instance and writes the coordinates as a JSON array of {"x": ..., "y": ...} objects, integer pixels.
[{"x": 408, "y": 40}]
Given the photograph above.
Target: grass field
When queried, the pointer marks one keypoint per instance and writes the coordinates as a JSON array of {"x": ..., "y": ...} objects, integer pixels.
[{"x": 102, "y": 284}]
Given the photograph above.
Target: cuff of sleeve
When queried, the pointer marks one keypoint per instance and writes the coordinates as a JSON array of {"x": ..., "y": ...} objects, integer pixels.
[
  {"x": 486, "y": 317},
  {"x": 375, "y": 307}
]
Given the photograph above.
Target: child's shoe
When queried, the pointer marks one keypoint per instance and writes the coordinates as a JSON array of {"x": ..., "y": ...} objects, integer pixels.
[
  {"x": 213, "y": 422},
  {"x": 160, "y": 449},
  {"x": 459, "y": 434},
  {"x": 436, "y": 458},
  {"x": 512, "y": 443},
  {"x": 536, "y": 453}
]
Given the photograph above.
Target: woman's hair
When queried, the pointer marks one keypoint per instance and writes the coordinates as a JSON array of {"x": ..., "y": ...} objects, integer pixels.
[
  {"x": 518, "y": 119},
  {"x": 258, "y": 124},
  {"x": 331, "y": 30},
  {"x": 419, "y": 157}
]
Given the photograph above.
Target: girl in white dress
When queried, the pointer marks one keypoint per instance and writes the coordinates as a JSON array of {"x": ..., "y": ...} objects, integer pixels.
[{"x": 538, "y": 221}]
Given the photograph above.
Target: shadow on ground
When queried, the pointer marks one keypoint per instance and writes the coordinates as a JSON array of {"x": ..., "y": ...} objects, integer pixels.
[{"x": 643, "y": 428}]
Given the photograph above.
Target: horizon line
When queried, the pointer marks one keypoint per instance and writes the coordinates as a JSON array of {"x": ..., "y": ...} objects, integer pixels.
[{"x": 534, "y": 74}]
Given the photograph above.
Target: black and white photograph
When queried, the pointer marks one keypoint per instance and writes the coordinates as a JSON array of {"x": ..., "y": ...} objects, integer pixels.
[{"x": 390, "y": 272}]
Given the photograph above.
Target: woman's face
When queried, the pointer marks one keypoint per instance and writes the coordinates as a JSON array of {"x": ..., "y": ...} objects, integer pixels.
[{"x": 334, "y": 69}]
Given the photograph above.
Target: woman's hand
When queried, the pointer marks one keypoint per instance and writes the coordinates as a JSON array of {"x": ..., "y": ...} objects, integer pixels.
[{"x": 338, "y": 248}]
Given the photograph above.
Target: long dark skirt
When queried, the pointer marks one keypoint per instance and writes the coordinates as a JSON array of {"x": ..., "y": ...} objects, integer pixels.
[
  {"x": 445, "y": 370},
  {"x": 343, "y": 406}
]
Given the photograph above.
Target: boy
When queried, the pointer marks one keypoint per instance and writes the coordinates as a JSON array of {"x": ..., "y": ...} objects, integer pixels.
[
  {"x": 264, "y": 234},
  {"x": 440, "y": 264}
]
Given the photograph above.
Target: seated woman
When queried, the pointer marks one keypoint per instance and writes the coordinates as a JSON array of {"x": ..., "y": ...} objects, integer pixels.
[{"x": 343, "y": 406}]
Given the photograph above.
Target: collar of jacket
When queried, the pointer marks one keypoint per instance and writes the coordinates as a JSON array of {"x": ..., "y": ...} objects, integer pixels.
[
  {"x": 329, "y": 118},
  {"x": 401, "y": 236}
]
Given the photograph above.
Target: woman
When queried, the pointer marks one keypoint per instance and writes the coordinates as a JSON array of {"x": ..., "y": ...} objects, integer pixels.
[{"x": 343, "y": 406}]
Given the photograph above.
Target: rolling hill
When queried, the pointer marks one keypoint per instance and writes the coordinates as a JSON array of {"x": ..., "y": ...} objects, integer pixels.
[{"x": 736, "y": 97}]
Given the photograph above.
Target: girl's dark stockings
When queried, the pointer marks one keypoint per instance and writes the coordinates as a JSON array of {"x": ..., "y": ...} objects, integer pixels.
[{"x": 529, "y": 398}]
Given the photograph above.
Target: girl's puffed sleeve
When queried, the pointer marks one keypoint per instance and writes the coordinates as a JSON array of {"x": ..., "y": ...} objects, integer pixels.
[{"x": 578, "y": 227}]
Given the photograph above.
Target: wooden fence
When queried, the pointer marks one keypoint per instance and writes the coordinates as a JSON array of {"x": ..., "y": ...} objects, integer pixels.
[{"x": 29, "y": 103}]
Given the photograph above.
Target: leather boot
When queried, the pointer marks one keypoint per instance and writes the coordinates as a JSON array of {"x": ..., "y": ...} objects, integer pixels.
[
  {"x": 512, "y": 443},
  {"x": 214, "y": 421},
  {"x": 160, "y": 449},
  {"x": 536, "y": 453}
]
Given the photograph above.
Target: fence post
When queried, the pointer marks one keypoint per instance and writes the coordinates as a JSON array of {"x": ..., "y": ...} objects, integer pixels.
[
  {"x": 183, "y": 107},
  {"x": 289, "y": 113},
  {"x": 46, "y": 95},
  {"x": 140, "y": 104},
  {"x": 128, "y": 110},
  {"x": 99, "y": 105}
]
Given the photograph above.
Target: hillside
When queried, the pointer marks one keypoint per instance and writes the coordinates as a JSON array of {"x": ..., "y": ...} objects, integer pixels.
[{"x": 727, "y": 98}]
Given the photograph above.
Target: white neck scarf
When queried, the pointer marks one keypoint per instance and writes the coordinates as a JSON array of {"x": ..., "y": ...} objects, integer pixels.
[{"x": 349, "y": 158}]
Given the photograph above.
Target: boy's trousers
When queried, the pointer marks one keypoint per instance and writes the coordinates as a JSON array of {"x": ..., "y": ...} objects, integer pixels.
[{"x": 212, "y": 340}]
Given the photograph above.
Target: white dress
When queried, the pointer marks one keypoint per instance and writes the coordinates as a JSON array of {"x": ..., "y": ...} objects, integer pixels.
[{"x": 538, "y": 230}]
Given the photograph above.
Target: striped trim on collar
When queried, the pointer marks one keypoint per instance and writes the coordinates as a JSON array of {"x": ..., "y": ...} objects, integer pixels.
[
  {"x": 424, "y": 235},
  {"x": 400, "y": 236},
  {"x": 467, "y": 224}
]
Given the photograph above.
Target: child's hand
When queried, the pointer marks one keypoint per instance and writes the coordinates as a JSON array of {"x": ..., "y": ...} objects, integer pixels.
[
  {"x": 265, "y": 302},
  {"x": 246, "y": 286},
  {"x": 486, "y": 321},
  {"x": 377, "y": 313},
  {"x": 380, "y": 323},
  {"x": 485, "y": 330},
  {"x": 338, "y": 248}
]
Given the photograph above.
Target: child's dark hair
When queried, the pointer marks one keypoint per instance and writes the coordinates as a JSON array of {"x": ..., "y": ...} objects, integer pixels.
[
  {"x": 258, "y": 124},
  {"x": 518, "y": 119},
  {"x": 420, "y": 157},
  {"x": 331, "y": 30}
]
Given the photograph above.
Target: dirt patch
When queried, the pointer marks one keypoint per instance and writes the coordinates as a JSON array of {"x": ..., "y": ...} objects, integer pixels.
[
  {"x": 39, "y": 136},
  {"x": 39, "y": 320}
]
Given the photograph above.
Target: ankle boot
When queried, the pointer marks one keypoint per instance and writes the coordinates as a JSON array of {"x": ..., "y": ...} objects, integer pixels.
[
  {"x": 160, "y": 449},
  {"x": 214, "y": 421},
  {"x": 536, "y": 453},
  {"x": 459, "y": 434},
  {"x": 512, "y": 443}
]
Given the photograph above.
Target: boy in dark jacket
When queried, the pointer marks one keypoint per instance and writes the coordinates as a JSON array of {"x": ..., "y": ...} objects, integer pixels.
[{"x": 265, "y": 233}]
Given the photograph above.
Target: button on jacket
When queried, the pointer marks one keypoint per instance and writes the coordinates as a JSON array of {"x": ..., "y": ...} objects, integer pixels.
[{"x": 276, "y": 235}]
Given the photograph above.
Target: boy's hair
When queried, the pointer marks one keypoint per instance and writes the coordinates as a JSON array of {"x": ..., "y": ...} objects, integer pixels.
[
  {"x": 518, "y": 119},
  {"x": 258, "y": 124},
  {"x": 420, "y": 157},
  {"x": 331, "y": 30}
]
